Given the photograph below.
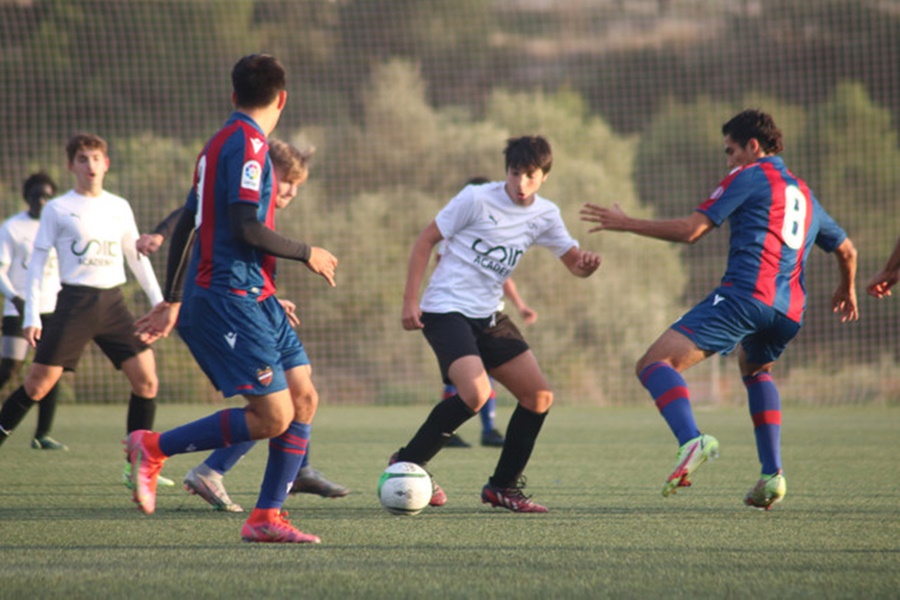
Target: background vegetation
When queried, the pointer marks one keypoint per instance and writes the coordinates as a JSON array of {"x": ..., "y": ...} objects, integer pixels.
[{"x": 406, "y": 99}]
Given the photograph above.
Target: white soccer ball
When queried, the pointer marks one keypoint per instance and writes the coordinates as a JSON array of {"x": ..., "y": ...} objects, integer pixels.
[{"x": 404, "y": 488}]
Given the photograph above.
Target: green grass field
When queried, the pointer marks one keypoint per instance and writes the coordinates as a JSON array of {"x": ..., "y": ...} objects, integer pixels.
[{"x": 68, "y": 528}]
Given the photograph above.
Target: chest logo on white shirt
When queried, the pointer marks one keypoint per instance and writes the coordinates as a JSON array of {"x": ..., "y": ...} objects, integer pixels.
[
  {"x": 499, "y": 259},
  {"x": 96, "y": 253}
]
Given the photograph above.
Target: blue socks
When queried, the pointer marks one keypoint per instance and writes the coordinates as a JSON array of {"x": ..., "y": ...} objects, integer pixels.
[
  {"x": 286, "y": 454},
  {"x": 224, "y": 428},
  {"x": 670, "y": 392},
  {"x": 765, "y": 410}
]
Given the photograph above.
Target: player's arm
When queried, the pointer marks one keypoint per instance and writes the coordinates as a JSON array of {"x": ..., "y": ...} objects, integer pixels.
[
  {"x": 881, "y": 283},
  {"x": 528, "y": 314},
  {"x": 6, "y": 285},
  {"x": 581, "y": 263},
  {"x": 844, "y": 300},
  {"x": 140, "y": 264},
  {"x": 687, "y": 230},
  {"x": 415, "y": 273},
  {"x": 247, "y": 228},
  {"x": 31, "y": 324},
  {"x": 148, "y": 243},
  {"x": 162, "y": 318}
]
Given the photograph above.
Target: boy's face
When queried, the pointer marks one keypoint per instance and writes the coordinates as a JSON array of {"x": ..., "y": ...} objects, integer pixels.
[
  {"x": 740, "y": 156},
  {"x": 89, "y": 167},
  {"x": 522, "y": 185},
  {"x": 287, "y": 190}
]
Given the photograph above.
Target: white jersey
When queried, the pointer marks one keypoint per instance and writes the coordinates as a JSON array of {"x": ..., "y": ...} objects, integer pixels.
[
  {"x": 93, "y": 237},
  {"x": 486, "y": 235},
  {"x": 16, "y": 242}
]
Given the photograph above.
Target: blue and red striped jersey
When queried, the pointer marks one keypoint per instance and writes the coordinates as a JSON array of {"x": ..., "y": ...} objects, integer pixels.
[
  {"x": 775, "y": 219},
  {"x": 234, "y": 166}
]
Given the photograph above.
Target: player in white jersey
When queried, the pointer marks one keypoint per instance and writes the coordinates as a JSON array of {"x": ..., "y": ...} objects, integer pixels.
[
  {"x": 16, "y": 241},
  {"x": 93, "y": 233},
  {"x": 488, "y": 228}
]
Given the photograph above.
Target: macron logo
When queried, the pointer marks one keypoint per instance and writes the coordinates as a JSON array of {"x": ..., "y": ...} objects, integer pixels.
[
  {"x": 257, "y": 144},
  {"x": 718, "y": 299},
  {"x": 231, "y": 338}
]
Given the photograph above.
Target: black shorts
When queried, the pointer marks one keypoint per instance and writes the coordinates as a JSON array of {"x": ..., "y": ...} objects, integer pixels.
[
  {"x": 495, "y": 339},
  {"x": 84, "y": 314}
]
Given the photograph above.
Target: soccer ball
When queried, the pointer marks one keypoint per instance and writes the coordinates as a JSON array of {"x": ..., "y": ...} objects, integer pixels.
[{"x": 404, "y": 488}]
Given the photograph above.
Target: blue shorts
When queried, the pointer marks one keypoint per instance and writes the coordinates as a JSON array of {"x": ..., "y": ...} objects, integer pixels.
[
  {"x": 726, "y": 318},
  {"x": 244, "y": 346}
]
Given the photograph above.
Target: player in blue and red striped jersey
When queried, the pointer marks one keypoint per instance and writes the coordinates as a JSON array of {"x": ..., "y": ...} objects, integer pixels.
[
  {"x": 775, "y": 220},
  {"x": 239, "y": 333}
]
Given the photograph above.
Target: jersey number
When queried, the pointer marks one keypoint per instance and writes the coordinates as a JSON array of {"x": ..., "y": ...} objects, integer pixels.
[
  {"x": 793, "y": 230},
  {"x": 201, "y": 175}
]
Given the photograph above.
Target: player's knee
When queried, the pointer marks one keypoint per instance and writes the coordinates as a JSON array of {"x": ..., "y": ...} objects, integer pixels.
[
  {"x": 145, "y": 387},
  {"x": 36, "y": 388},
  {"x": 538, "y": 402}
]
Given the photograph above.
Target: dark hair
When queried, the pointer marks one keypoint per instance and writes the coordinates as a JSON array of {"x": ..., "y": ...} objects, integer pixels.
[
  {"x": 257, "y": 80},
  {"x": 754, "y": 124},
  {"x": 84, "y": 141},
  {"x": 34, "y": 186},
  {"x": 528, "y": 153}
]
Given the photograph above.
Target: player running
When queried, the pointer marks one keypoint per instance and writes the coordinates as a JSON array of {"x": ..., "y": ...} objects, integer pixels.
[
  {"x": 488, "y": 228},
  {"x": 241, "y": 337},
  {"x": 774, "y": 219}
]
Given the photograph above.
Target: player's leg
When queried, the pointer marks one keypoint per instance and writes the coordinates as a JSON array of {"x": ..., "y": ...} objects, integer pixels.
[
  {"x": 455, "y": 440},
  {"x": 267, "y": 521},
  {"x": 46, "y": 414},
  {"x": 473, "y": 387},
  {"x": 490, "y": 436},
  {"x": 523, "y": 377},
  {"x": 39, "y": 380},
  {"x": 660, "y": 373},
  {"x": 756, "y": 358}
]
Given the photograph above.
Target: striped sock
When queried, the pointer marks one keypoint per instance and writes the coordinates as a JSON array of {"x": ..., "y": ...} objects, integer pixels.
[
  {"x": 765, "y": 410},
  {"x": 670, "y": 392},
  {"x": 218, "y": 430},
  {"x": 285, "y": 456},
  {"x": 223, "y": 459}
]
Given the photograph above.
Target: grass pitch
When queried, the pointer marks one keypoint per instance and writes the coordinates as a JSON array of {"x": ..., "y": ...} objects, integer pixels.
[{"x": 68, "y": 528}]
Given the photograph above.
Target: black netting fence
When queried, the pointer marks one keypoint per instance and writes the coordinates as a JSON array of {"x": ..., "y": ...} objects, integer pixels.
[{"x": 404, "y": 100}]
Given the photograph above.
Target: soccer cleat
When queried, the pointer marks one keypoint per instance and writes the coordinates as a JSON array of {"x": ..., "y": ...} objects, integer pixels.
[
  {"x": 45, "y": 442},
  {"x": 145, "y": 468},
  {"x": 457, "y": 442},
  {"x": 691, "y": 455},
  {"x": 492, "y": 438},
  {"x": 127, "y": 482},
  {"x": 206, "y": 483},
  {"x": 438, "y": 497},
  {"x": 510, "y": 498},
  {"x": 274, "y": 529},
  {"x": 767, "y": 491},
  {"x": 311, "y": 481}
]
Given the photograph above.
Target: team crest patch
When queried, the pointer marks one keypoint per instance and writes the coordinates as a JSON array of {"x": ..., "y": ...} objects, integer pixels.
[
  {"x": 264, "y": 375},
  {"x": 251, "y": 175}
]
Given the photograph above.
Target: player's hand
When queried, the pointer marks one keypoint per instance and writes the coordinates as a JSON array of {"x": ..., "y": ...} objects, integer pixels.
[
  {"x": 843, "y": 302},
  {"x": 528, "y": 314},
  {"x": 20, "y": 305},
  {"x": 158, "y": 323},
  {"x": 609, "y": 218},
  {"x": 290, "y": 309},
  {"x": 412, "y": 315},
  {"x": 322, "y": 262},
  {"x": 880, "y": 285},
  {"x": 148, "y": 243},
  {"x": 32, "y": 335},
  {"x": 588, "y": 262}
]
